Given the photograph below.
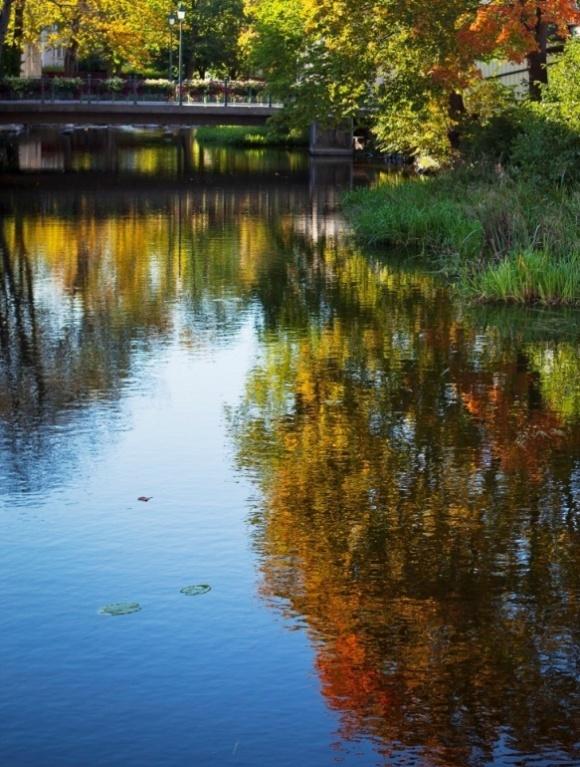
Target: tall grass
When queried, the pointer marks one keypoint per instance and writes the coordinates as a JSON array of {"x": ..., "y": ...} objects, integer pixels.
[
  {"x": 502, "y": 237},
  {"x": 530, "y": 277},
  {"x": 411, "y": 213}
]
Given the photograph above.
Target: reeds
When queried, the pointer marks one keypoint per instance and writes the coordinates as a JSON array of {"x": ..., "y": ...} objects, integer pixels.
[{"x": 530, "y": 277}]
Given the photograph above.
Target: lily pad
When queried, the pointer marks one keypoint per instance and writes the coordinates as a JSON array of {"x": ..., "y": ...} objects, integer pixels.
[
  {"x": 195, "y": 591},
  {"x": 120, "y": 608}
]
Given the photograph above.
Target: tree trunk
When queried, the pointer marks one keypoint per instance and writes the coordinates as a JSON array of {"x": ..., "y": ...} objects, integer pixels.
[
  {"x": 538, "y": 60},
  {"x": 71, "y": 55},
  {"x": 71, "y": 64},
  {"x": 5, "y": 14},
  {"x": 456, "y": 113}
]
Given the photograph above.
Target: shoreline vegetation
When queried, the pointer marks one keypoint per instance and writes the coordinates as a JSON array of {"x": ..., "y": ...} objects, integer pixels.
[
  {"x": 502, "y": 215},
  {"x": 499, "y": 238},
  {"x": 498, "y": 212},
  {"x": 251, "y": 137}
]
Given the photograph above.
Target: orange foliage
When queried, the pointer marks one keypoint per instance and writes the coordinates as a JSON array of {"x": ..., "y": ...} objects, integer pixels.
[
  {"x": 351, "y": 677},
  {"x": 512, "y": 29}
]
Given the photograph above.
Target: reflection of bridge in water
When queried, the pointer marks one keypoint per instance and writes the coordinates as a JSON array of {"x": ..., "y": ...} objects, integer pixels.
[
  {"x": 133, "y": 166},
  {"x": 147, "y": 207}
]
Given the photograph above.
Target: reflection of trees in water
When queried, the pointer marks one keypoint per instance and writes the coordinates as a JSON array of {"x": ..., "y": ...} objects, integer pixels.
[
  {"x": 22, "y": 368},
  {"x": 420, "y": 476},
  {"x": 420, "y": 511},
  {"x": 139, "y": 151},
  {"x": 93, "y": 286}
]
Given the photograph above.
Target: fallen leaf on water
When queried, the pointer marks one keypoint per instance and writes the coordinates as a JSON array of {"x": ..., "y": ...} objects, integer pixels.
[
  {"x": 145, "y": 498},
  {"x": 195, "y": 591},
  {"x": 120, "y": 608}
]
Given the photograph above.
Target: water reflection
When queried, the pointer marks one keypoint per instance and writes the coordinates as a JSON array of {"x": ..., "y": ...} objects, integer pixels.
[
  {"x": 94, "y": 286},
  {"x": 419, "y": 464},
  {"x": 145, "y": 152},
  {"x": 421, "y": 487}
]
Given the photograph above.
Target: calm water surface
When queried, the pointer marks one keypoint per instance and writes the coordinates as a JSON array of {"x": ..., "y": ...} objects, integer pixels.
[{"x": 380, "y": 485}]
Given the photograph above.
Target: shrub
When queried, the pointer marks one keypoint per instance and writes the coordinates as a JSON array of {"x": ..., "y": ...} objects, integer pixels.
[
  {"x": 541, "y": 139},
  {"x": 21, "y": 87},
  {"x": 564, "y": 86},
  {"x": 547, "y": 148}
]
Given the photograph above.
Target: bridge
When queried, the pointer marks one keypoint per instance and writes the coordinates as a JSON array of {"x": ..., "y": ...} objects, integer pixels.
[
  {"x": 323, "y": 141},
  {"x": 82, "y": 112}
]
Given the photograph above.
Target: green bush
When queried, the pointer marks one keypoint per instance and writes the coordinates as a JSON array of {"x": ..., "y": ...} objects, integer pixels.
[
  {"x": 546, "y": 148},
  {"x": 20, "y": 87},
  {"x": 115, "y": 84},
  {"x": 493, "y": 141},
  {"x": 540, "y": 139},
  {"x": 156, "y": 88},
  {"x": 564, "y": 86}
]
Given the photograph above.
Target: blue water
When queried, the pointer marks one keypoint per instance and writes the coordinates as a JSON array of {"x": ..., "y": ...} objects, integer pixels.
[{"x": 380, "y": 488}]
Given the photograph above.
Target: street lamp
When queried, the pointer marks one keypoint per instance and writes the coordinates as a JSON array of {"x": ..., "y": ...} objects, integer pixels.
[
  {"x": 180, "y": 18},
  {"x": 172, "y": 18}
]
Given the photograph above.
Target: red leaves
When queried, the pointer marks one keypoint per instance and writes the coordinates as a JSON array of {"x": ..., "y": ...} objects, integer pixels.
[{"x": 512, "y": 29}]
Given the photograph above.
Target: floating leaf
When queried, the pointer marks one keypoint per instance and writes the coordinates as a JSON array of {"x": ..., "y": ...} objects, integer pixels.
[
  {"x": 120, "y": 608},
  {"x": 145, "y": 498},
  {"x": 195, "y": 591}
]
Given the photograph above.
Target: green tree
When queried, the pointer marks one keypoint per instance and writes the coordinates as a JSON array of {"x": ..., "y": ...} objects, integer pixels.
[{"x": 212, "y": 42}]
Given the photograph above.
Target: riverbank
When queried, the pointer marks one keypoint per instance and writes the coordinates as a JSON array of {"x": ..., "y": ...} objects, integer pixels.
[
  {"x": 499, "y": 238},
  {"x": 250, "y": 136}
]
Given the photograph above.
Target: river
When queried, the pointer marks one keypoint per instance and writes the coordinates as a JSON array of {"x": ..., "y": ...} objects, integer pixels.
[{"x": 379, "y": 484}]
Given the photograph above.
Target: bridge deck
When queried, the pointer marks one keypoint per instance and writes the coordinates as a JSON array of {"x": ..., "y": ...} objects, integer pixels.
[{"x": 141, "y": 113}]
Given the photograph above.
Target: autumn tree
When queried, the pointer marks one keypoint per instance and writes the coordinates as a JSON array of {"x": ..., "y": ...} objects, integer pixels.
[
  {"x": 5, "y": 19},
  {"x": 120, "y": 32},
  {"x": 520, "y": 31},
  {"x": 404, "y": 66}
]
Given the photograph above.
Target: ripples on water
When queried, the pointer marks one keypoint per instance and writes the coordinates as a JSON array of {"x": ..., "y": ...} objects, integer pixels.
[{"x": 380, "y": 484}]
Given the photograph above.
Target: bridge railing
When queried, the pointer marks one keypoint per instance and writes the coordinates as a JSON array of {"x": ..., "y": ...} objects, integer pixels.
[{"x": 134, "y": 90}]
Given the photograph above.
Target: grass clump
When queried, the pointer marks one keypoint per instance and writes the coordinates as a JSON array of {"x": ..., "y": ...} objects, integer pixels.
[
  {"x": 250, "y": 136},
  {"x": 530, "y": 277},
  {"x": 414, "y": 212}
]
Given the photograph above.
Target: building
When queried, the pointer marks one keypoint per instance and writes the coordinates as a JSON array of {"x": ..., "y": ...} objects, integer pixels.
[{"x": 42, "y": 57}]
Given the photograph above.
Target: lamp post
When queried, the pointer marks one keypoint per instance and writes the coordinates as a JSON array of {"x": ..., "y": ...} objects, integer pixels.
[
  {"x": 180, "y": 18},
  {"x": 171, "y": 19}
]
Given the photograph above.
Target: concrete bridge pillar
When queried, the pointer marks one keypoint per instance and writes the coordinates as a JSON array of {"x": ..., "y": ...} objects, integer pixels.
[{"x": 336, "y": 141}]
